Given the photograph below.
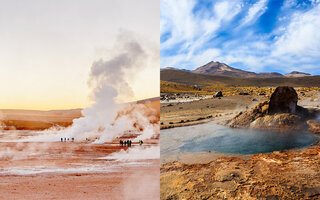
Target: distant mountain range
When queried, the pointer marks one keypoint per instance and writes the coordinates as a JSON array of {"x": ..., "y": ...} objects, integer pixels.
[
  {"x": 217, "y": 68},
  {"x": 172, "y": 68},
  {"x": 297, "y": 74}
]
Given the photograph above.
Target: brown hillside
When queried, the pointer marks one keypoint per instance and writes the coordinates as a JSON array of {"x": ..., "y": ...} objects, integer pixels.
[{"x": 189, "y": 78}]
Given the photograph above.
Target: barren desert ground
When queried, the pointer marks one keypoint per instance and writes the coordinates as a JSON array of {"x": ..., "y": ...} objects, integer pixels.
[
  {"x": 203, "y": 110},
  {"x": 73, "y": 170},
  {"x": 37, "y": 120},
  {"x": 284, "y": 174},
  {"x": 33, "y": 167}
]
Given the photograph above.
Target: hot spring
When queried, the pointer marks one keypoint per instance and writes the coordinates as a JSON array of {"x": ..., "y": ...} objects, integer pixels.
[{"x": 211, "y": 137}]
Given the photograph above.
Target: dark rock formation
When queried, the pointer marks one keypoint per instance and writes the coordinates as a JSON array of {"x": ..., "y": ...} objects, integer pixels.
[
  {"x": 243, "y": 93},
  {"x": 218, "y": 94},
  {"x": 281, "y": 112},
  {"x": 283, "y": 100}
]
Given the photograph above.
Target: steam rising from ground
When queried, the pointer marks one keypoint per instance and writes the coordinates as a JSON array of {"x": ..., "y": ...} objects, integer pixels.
[
  {"x": 108, "y": 117},
  {"x": 109, "y": 86},
  {"x": 104, "y": 121},
  {"x": 137, "y": 153}
]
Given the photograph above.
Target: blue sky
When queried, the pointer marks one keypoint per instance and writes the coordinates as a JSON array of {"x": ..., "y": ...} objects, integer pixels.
[{"x": 260, "y": 36}]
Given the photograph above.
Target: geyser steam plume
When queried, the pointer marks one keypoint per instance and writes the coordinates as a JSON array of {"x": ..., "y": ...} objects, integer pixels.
[{"x": 109, "y": 82}]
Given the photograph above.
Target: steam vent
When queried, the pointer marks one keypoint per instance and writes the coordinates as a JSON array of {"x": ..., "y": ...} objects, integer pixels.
[{"x": 280, "y": 112}]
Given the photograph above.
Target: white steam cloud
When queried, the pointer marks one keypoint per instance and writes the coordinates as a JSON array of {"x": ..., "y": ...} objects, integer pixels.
[
  {"x": 109, "y": 117},
  {"x": 109, "y": 80},
  {"x": 137, "y": 153}
]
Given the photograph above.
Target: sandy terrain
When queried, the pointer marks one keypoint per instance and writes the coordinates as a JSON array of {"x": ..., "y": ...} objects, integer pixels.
[
  {"x": 200, "y": 111},
  {"x": 123, "y": 184},
  {"x": 37, "y": 120},
  {"x": 175, "y": 113},
  {"x": 34, "y": 169},
  {"x": 73, "y": 170}
]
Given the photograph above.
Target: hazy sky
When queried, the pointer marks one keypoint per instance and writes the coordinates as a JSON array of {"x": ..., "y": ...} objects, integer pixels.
[
  {"x": 259, "y": 35},
  {"x": 47, "y": 48}
]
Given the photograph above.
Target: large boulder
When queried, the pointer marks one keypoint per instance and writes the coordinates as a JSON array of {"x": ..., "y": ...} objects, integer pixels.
[
  {"x": 283, "y": 100},
  {"x": 281, "y": 112},
  {"x": 218, "y": 94},
  {"x": 257, "y": 117}
]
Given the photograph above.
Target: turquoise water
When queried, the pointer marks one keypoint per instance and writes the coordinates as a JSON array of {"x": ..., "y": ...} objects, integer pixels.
[{"x": 217, "y": 138}]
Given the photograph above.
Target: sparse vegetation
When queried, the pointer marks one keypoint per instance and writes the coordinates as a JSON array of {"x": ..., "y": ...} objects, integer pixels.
[
  {"x": 172, "y": 87},
  {"x": 218, "y": 81}
]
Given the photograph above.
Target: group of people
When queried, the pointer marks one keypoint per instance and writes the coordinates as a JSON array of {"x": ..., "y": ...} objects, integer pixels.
[
  {"x": 66, "y": 139},
  {"x": 122, "y": 142},
  {"x": 126, "y": 143},
  {"x": 129, "y": 143}
]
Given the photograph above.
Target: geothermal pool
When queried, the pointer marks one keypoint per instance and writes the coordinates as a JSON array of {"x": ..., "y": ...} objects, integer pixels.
[{"x": 210, "y": 137}]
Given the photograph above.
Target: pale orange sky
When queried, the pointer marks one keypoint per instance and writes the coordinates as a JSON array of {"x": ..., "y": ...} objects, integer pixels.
[{"x": 47, "y": 49}]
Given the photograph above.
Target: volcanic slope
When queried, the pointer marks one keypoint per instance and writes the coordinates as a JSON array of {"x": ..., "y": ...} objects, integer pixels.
[{"x": 190, "y": 78}]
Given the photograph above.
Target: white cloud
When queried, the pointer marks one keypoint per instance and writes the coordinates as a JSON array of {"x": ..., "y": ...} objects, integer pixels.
[
  {"x": 190, "y": 62},
  {"x": 250, "y": 62},
  {"x": 176, "y": 60},
  {"x": 302, "y": 35},
  {"x": 205, "y": 56},
  {"x": 315, "y": 1},
  {"x": 177, "y": 18},
  {"x": 289, "y": 3},
  {"x": 226, "y": 10},
  {"x": 255, "y": 12},
  {"x": 191, "y": 29},
  {"x": 295, "y": 44}
]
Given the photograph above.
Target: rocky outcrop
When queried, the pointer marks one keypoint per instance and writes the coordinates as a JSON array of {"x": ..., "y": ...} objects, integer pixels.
[
  {"x": 278, "y": 121},
  {"x": 218, "y": 94},
  {"x": 280, "y": 112},
  {"x": 278, "y": 175},
  {"x": 244, "y": 119},
  {"x": 283, "y": 100},
  {"x": 314, "y": 126}
]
